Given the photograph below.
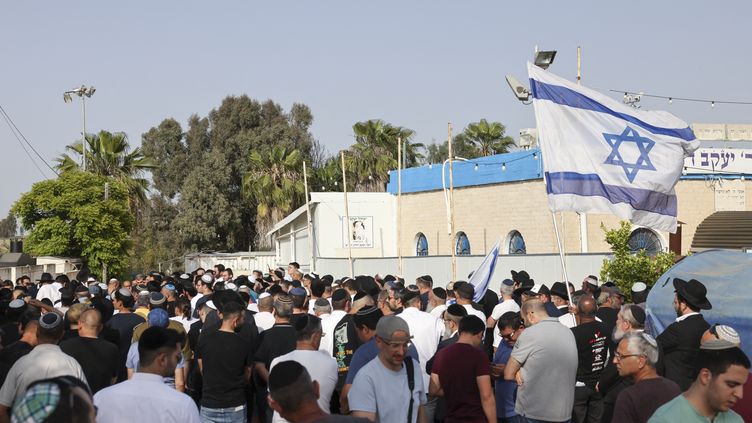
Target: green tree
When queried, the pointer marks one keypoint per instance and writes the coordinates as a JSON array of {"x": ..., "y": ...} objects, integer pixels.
[
  {"x": 486, "y": 139},
  {"x": 207, "y": 219},
  {"x": 8, "y": 226},
  {"x": 374, "y": 153},
  {"x": 626, "y": 268},
  {"x": 69, "y": 216},
  {"x": 153, "y": 240},
  {"x": 274, "y": 183},
  {"x": 164, "y": 145},
  {"x": 108, "y": 154}
]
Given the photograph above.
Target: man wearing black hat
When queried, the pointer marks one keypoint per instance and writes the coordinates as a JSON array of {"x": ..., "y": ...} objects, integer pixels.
[
  {"x": 680, "y": 341},
  {"x": 560, "y": 298},
  {"x": 48, "y": 288}
]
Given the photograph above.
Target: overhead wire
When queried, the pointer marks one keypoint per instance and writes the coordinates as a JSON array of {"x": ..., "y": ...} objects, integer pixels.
[
  {"x": 16, "y": 132},
  {"x": 696, "y": 100}
]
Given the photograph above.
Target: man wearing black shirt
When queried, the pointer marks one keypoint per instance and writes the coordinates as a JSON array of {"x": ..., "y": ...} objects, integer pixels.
[
  {"x": 278, "y": 340},
  {"x": 124, "y": 322},
  {"x": 224, "y": 360},
  {"x": 28, "y": 323},
  {"x": 592, "y": 352},
  {"x": 97, "y": 357}
]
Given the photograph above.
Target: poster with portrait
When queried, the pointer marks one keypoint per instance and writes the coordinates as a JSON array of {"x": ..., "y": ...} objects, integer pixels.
[{"x": 360, "y": 232}]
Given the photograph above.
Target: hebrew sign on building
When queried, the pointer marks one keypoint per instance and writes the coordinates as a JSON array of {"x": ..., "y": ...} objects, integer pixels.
[{"x": 720, "y": 160}]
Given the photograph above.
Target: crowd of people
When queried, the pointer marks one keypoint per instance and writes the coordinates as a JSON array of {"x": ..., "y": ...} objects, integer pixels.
[{"x": 280, "y": 346}]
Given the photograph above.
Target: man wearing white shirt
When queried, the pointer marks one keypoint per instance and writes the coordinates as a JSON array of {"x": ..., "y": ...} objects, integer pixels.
[
  {"x": 159, "y": 352},
  {"x": 321, "y": 367},
  {"x": 264, "y": 318},
  {"x": 506, "y": 305},
  {"x": 49, "y": 288},
  {"x": 341, "y": 305},
  {"x": 465, "y": 293},
  {"x": 438, "y": 302}
]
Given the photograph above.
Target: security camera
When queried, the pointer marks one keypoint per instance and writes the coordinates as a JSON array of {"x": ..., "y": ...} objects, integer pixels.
[{"x": 520, "y": 91}]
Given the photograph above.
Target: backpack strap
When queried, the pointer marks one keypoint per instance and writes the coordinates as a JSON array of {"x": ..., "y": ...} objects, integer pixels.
[{"x": 411, "y": 385}]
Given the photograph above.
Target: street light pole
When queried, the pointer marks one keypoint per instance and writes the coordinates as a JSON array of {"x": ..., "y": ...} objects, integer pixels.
[{"x": 83, "y": 92}]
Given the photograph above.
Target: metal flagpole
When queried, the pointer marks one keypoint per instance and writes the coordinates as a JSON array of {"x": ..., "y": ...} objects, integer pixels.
[
  {"x": 308, "y": 219},
  {"x": 399, "y": 205},
  {"x": 451, "y": 206},
  {"x": 347, "y": 216},
  {"x": 583, "y": 216},
  {"x": 561, "y": 257}
]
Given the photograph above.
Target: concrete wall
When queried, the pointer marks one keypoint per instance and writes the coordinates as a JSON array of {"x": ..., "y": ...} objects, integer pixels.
[
  {"x": 545, "y": 268},
  {"x": 240, "y": 262},
  {"x": 487, "y": 213}
]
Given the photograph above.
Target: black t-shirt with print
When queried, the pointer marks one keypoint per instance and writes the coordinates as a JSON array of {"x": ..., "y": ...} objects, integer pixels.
[{"x": 592, "y": 351}]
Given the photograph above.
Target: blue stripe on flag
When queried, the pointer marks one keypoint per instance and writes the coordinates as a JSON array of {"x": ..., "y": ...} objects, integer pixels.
[
  {"x": 591, "y": 185},
  {"x": 568, "y": 97}
]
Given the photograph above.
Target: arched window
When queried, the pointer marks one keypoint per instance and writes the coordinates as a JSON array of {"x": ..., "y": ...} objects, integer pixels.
[
  {"x": 644, "y": 239},
  {"x": 516, "y": 243},
  {"x": 421, "y": 245},
  {"x": 462, "y": 246}
]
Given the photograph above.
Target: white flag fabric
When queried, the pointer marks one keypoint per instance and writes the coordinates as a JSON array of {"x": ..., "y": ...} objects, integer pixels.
[
  {"x": 481, "y": 278},
  {"x": 602, "y": 156}
]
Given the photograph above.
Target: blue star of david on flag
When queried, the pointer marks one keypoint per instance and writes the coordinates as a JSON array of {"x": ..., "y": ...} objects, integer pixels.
[{"x": 644, "y": 145}]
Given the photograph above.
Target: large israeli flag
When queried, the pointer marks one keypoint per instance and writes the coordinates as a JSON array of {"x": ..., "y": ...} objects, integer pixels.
[
  {"x": 602, "y": 156},
  {"x": 481, "y": 278}
]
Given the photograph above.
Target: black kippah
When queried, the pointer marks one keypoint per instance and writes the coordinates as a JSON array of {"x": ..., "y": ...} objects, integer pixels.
[
  {"x": 457, "y": 310},
  {"x": 284, "y": 374}
]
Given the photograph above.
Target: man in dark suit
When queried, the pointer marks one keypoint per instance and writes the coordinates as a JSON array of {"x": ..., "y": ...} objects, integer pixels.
[{"x": 680, "y": 341}]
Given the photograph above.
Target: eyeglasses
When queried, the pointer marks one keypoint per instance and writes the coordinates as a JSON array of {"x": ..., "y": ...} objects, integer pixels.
[{"x": 619, "y": 357}]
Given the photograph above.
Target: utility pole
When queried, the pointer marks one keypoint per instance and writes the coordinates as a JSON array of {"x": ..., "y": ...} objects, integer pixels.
[
  {"x": 106, "y": 197},
  {"x": 347, "y": 216},
  {"x": 452, "y": 245}
]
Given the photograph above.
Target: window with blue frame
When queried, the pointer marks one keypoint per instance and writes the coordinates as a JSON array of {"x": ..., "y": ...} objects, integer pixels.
[
  {"x": 462, "y": 246},
  {"x": 644, "y": 239},
  {"x": 516, "y": 243},
  {"x": 421, "y": 245}
]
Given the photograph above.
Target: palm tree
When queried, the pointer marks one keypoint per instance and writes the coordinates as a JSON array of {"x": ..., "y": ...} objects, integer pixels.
[
  {"x": 108, "y": 154},
  {"x": 274, "y": 183},
  {"x": 375, "y": 153},
  {"x": 487, "y": 137}
]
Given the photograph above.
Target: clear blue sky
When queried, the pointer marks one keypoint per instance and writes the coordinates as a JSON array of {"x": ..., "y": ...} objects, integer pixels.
[{"x": 418, "y": 64}]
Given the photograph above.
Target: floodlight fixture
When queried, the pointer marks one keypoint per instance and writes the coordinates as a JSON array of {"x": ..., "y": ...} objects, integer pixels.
[
  {"x": 520, "y": 91},
  {"x": 543, "y": 59}
]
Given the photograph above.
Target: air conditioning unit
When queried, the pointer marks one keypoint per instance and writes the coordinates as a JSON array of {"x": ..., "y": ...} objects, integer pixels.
[{"x": 528, "y": 138}]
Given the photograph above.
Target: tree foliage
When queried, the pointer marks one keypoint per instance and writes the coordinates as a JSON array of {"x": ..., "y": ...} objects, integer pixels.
[
  {"x": 275, "y": 181},
  {"x": 109, "y": 154},
  {"x": 374, "y": 153},
  {"x": 485, "y": 138},
  {"x": 626, "y": 268},
  {"x": 8, "y": 226},
  {"x": 164, "y": 144},
  {"x": 69, "y": 216}
]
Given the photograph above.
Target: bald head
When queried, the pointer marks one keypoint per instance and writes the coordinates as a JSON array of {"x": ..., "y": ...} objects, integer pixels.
[
  {"x": 587, "y": 306},
  {"x": 90, "y": 323},
  {"x": 533, "y": 311},
  {"x": 266, "y": 304}
]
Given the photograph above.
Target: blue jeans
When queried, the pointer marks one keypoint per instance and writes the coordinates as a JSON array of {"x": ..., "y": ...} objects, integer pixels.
[
  {"x": 524, "y": 419},
  {"x": 513, "y": 419},
  {"x": 224, "y": 415}
]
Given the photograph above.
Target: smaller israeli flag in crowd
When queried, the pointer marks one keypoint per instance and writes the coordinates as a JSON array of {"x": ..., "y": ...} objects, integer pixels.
[
  {"x": 481, "y": 278},
  {"x": 602, "y": 156}
]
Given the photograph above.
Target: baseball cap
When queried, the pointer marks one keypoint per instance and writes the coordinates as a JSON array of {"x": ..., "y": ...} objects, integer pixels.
[{"x": 387, "y": 325}]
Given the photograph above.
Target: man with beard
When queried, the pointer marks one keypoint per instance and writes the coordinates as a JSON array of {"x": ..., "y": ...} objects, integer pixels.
[
  {"x": 630, "y": 319},
  {"x": 681, "y": 339}
]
